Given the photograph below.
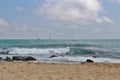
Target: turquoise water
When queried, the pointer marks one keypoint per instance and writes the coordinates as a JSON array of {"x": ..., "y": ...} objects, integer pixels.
[
  {"x": 67, "y": 50},
  {"x": 34, "y": 43}
]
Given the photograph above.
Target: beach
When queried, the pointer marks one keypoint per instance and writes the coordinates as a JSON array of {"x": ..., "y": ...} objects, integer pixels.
[{"x": 47, "y": 71}]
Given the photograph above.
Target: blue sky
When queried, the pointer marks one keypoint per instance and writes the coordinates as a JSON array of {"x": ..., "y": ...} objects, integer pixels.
[{"x": 62, "y": 19}]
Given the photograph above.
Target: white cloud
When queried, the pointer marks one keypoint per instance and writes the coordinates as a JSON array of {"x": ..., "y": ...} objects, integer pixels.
[
  {"x": 14, "y": 30},
  {"x": 3, "y": 22},
  {"x": 68, "y": 10},
  {"x": 104, "y": 20}
]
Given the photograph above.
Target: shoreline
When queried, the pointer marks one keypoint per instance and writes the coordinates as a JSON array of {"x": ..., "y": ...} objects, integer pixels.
[{"x": 56, "y": 71}]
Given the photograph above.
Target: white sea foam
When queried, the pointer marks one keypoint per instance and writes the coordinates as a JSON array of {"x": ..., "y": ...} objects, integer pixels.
[
  {"x": 83, "y": 59},
  {"x": 39, "y": 50}
]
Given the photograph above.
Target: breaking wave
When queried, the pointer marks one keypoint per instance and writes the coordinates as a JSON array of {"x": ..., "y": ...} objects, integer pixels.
[{"x": 39, "y": 50}]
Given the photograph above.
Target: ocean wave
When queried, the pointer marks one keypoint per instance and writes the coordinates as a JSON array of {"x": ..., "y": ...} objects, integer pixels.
[
  {"x": 66, "y": 50},
  {"x": 39, "y": 50},
  {"x": 72, "y": 51},
  {"x": 78, "y": 59}
]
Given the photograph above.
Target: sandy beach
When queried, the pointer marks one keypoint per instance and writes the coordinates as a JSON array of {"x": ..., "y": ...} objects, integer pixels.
[{"x": 42, "y": 71}]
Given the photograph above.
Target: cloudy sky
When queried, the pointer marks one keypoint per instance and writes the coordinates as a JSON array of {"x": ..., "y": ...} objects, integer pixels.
[{"x": 62, "y": 19}]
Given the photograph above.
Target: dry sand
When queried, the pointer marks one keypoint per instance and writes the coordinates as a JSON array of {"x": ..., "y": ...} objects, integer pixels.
[{"x": 41, "y": 71}]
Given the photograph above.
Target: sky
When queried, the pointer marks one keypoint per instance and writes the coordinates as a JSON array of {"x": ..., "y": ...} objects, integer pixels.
[{"x": 62, "y": 19}]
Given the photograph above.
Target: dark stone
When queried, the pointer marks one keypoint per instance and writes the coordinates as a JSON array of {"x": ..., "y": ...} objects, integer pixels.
[
  {"x": 1, "y": 58},
  {"x": 89, "y": 61},
  {"x": 29, "y": 58},
  {"x": 53, "y": 56},
  {"x": 19, "y": 58},
  {"x": 8, "y": 59},
  {"x": 24, "y": 58},
  {"x": 4, "y": 52}
]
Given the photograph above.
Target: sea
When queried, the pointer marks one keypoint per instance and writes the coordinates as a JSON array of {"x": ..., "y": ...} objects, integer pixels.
[{"x": 65, "y": 51}]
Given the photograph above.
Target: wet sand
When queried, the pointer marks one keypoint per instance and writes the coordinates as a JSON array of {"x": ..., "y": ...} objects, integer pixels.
[{"x": 42, "y": 71}]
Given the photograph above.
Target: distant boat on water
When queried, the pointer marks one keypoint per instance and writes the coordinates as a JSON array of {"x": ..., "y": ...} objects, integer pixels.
[{"x": 49, "y": 37}]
